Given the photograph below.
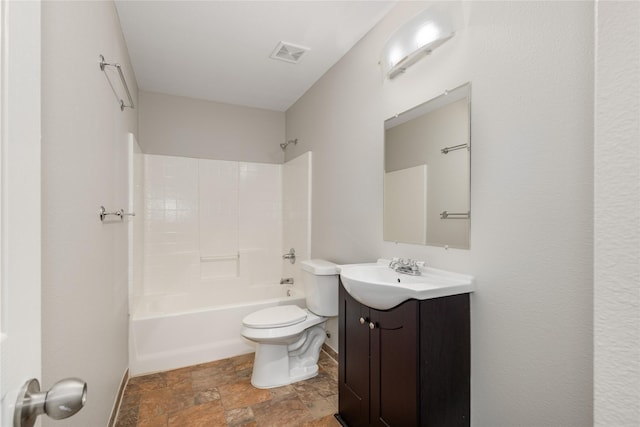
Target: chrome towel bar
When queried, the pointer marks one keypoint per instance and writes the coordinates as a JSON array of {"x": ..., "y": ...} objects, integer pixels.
[
  {"x": 455, "y": 215},
  {"x": 446, "y": 150},
  {"x": 119, "y": 213},
  {"x": 104, "y": 64}
]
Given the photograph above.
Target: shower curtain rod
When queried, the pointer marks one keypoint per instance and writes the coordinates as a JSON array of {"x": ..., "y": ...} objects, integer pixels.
[{"x": 291, "y": 141}]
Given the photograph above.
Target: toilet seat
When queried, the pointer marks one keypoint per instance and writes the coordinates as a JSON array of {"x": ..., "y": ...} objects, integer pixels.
[{"x": 275, "y": 317}]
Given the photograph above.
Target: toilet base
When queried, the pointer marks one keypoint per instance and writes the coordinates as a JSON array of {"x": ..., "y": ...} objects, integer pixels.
[
  {"x": 277, "y": 365},
  {"x": 274, "y": 374}
]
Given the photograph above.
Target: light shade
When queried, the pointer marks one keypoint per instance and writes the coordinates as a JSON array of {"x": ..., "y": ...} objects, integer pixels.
[{"x": 416, "y": 39}]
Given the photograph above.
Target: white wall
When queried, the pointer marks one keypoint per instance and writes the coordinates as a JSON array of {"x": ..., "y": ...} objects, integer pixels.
[
  {"x": 210, "y": 223},
  {"x": 296, "y": 213},
  {"x": 84, "y": 165},
  {"x": 297, "y": 201},
  {"x": 171, "y": 226},
  {"x": 178, "y": 126},
  {"x": 136, "y": 223},
  {"x": 617, "y": 218},
  {"x": 531, "y": 68},
  {"x": 261, "y": 221}
]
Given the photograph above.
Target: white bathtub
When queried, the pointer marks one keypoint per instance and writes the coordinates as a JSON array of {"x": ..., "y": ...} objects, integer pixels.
[{"x": 172, "y": 331}]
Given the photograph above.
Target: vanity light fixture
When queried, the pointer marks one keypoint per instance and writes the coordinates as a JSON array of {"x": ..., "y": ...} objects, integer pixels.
[{"x": 415, "y": 40}]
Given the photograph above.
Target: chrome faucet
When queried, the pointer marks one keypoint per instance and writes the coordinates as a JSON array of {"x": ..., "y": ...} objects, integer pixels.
[
  {"x": 291, "y": 256},
  {"x": 406, "y": 266}
]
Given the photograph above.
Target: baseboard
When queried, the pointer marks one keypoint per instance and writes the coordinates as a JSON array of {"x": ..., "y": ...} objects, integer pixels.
[
  {"x": 331, "y": 352},
  {"x": 118, "y": 401}
]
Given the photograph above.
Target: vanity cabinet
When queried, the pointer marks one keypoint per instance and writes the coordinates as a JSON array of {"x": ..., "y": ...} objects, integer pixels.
[{"x": 406, "y": 366}]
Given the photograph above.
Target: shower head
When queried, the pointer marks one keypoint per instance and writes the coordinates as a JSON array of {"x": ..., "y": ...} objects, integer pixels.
[{"x": 291, "y": 141}]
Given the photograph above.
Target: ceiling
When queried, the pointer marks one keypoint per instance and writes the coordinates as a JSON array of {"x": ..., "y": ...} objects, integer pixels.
[{"x": 219, "y": 50}]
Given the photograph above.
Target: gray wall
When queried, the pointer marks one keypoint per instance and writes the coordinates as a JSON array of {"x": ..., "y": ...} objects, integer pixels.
[
  {"x": 84, "y": 165},
  {"x": 531, "y": 68},
  {"x": 178, "y": 126}
]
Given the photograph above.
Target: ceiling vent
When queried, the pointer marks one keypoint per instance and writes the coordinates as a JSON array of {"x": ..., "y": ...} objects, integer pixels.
[{"x": 289, "y": 52}]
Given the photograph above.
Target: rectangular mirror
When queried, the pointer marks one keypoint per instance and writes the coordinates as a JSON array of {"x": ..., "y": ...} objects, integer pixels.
[{"x": 427, "y": 172}]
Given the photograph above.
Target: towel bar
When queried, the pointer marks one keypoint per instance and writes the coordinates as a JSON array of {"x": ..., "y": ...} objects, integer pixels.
[{"x": 104, "y": 64}]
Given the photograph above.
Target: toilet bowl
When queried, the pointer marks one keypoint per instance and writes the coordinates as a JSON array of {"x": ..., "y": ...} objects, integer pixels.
[
  {"x": 288, "y": 338},
  {"x": 287, "y": 350}
]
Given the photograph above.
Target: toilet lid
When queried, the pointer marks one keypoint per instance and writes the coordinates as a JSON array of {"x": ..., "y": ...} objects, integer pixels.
[{"x": 275, "y": 317}]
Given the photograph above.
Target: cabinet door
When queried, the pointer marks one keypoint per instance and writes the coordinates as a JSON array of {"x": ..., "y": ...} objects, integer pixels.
[
  {"x": 394, "y": 366},
  {"x": 353, "y": 355}
]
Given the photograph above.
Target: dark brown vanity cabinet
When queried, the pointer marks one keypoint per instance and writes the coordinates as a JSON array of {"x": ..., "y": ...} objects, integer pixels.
[{"x": 407, "y": 366}]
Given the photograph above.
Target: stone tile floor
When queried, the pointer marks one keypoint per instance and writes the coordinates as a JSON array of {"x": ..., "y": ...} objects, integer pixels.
[{"x": 220, "y": 394}]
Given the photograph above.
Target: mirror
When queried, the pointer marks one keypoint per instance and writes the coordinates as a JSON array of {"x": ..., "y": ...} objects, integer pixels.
[{"x": 427, "y": 172}]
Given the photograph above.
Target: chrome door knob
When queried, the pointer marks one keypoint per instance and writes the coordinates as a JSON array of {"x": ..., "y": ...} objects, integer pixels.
[
  {"x": 372, "y": 325},
  {"x": 362, "y": 320},
  {"x": 63, "y": 400}
]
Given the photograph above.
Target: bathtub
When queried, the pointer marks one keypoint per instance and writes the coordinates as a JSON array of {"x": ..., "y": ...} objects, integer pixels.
[{"x": 173, "y": 331}]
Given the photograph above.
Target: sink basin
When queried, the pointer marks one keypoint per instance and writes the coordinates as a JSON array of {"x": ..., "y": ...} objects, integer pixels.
[{"x": 377, "y": 286}]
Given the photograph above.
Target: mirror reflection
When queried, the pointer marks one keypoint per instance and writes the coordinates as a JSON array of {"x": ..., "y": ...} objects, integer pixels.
[{"x": 427, "y": 172}]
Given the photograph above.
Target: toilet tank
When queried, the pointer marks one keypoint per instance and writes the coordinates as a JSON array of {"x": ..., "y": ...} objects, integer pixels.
[{"x": 320, "y": 281}]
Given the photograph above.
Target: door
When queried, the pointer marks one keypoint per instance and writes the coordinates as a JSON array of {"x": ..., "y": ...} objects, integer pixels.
[{"x": 19, "y": 199}]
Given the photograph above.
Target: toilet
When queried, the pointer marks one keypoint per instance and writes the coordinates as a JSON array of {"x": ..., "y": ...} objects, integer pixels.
[{"x": 288, "y": 338}]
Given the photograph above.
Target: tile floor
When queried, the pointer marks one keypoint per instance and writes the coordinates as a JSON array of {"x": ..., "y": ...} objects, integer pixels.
[{"x": 220, "y": 394}]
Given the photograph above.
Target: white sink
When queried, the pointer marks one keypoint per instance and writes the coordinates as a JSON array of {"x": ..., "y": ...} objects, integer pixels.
[{"x": 377, "y": 286}]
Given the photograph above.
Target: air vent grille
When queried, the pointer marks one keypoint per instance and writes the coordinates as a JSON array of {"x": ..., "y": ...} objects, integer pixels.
[{"x": 289, "y": 52}]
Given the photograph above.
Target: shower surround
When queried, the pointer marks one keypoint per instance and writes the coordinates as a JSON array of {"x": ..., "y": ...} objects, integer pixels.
[{"x": 214, "y": 232}]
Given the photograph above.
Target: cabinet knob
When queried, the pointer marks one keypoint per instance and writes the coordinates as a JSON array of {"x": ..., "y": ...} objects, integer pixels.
[
  {"x": 362, "y": 320},
  {"x": 372, "y": 325}
]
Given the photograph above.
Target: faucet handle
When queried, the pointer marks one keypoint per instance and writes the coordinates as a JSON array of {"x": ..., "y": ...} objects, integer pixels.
[
  {"x": 415, "y": 265},
  {"x": 398, "y": 264}
]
